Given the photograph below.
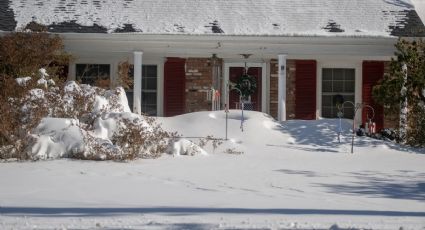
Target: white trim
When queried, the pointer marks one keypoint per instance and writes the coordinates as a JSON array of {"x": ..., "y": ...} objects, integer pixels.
[
  {"x": 268, "y": 74},
  {"x": 137, "y": 86},
  {"x": 228, "y": 46},
  {"x": 318, "y": 89},
  {"x": 263, "y": 66},
  {"x": 160, "y": 88},
  {"x": 216, "y": 37},
  {"x": 264, "y": 87},
  {"x": 159, "y": 62},
  {"x": 281, "y": 106},
  {"x": 333, "y": 63}
]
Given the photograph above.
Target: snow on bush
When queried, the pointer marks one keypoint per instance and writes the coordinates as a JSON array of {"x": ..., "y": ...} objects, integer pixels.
[
  {"x": 80, "y": 121},
  {"x": 56, "y": 137},
  {"x": 186, "y": 147}
]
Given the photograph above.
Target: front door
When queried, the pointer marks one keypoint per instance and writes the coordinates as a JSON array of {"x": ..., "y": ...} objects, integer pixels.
[{"x": 234, "y": 74}]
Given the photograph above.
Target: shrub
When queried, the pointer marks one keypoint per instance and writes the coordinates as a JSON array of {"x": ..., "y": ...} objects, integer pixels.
[
  {"x": 134, "y": 137},
  {"x": 23, "y": 54},
  {"x": 389, "y": 91}
]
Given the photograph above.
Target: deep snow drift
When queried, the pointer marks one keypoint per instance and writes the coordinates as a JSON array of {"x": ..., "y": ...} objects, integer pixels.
[{"x": 293, "y": 174}]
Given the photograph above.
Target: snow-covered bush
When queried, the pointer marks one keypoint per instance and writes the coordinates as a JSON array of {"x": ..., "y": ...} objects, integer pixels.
[
  {"x": 78, "y": 121},
  {"x": 23, "y": 54}
]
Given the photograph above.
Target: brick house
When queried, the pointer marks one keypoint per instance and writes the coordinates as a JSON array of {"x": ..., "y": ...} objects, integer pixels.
[{"x": 304, "y": 54}]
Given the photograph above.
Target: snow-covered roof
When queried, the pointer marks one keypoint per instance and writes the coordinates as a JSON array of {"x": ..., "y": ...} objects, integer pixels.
[
  {"x": 361, "y": 18},
  {"x": 420, "y": 8}
]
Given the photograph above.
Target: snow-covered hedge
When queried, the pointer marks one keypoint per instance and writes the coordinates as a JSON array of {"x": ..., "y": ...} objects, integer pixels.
[{"x": 80, "y": 121}]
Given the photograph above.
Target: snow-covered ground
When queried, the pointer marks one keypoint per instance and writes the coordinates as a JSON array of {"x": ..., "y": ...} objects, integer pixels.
[{"x": 290, "y": 175}]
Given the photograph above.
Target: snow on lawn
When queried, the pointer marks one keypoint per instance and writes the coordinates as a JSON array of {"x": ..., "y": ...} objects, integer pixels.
[{"x": 291, "y": 175}]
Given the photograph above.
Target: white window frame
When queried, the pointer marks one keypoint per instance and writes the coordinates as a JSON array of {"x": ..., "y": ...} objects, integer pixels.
[
  {"x": 114, "y": 61},
  {"x": 343, "y": 64},
  {"x": 344, "y": 94},
  {"x": 159, "y": 84}
]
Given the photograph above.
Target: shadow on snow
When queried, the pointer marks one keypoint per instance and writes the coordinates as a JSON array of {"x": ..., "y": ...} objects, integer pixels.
[
  {"x": 378, "y": 185},
  {"x": 177, "y": 211},
  {"x": 322, "y": 136}
]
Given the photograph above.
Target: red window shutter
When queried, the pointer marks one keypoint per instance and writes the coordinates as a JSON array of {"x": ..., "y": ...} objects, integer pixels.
[
  {"x": 234, "y": 74},
  {"x": 373, "y": 71},
  {"x": 174, "y": 87},
  {"x": 305, "y": 89}
]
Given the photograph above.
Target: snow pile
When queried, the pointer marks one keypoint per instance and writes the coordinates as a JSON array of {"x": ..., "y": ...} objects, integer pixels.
[
  {"x": 85, "y": 122},
  {"x": 57, "y": 137},
  {"x": 186, "y": 147},
  {"x": 254, "y": 131}
]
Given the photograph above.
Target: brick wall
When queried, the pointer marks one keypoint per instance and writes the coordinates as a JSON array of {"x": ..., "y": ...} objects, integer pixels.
[
  {"x": 290, "y": 88},
  {"x": 198, "y": 82}
]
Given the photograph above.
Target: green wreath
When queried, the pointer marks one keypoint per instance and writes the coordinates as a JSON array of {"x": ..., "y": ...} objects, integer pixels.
[{"x": 247, "y": 85}]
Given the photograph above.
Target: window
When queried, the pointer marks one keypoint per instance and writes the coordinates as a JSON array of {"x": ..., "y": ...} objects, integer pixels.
[
  {"x": 337, "y": 86},
  {"x": 149, "y": 89},
  {"x": 93, "y": 74}
]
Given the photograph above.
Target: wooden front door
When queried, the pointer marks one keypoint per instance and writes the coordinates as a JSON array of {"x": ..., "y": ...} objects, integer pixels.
[{"x": 234, "y": 74}]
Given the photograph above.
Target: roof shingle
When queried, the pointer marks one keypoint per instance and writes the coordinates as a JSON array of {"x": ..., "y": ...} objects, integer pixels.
[{"x": 232, "y": 17}]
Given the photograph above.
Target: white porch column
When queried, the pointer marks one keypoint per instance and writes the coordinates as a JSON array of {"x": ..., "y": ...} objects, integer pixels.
[
  {"x": 281, "y": 106},
  {"x": 137, "y": 88}
]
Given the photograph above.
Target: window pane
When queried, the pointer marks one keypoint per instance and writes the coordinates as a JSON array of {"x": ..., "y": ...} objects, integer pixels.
[
  {"x": 80, "y": 69},
  {"x": 349, "y": 98},
  {"x": 334, "y": 112},
  {"x": 348, "y": 112},
  {"x": 327, "y": 74},
  {"x": 338, "y": 74},
  {"x": 349, "y": 86},
  {"x": 349, "y": 74},
  {"x": 151, "y": 71},
  {"x": 151, "y": 83},
  {"x": 150, "y": 110},
  {"x": 90, "y": 73},
  {"x": 327, "y": 86},
  {"x": 149, "y": 98},
  {"x": 338, "y": 86},
  {"x": 326, "y": 100},
  {"x": 327, "y": 112},
  {"x": 103, "y": 71}
]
